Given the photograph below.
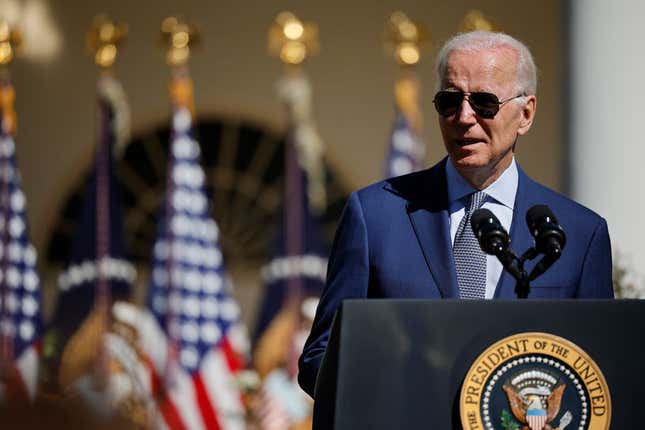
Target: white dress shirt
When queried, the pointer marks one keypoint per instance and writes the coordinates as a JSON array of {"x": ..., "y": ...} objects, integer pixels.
[{"x": 500, "y": 200}]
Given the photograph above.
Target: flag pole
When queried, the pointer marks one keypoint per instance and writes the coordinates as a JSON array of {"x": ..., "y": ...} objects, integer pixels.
[
  {"x": 178, "y": 37},
  {"x": 9, "y": 42},
  {"x": 189, "y": 293},
  {"x": 103, "y": 37},
  {"x": 405, "y": 39},
  {"x": 292, "y": 41},
  {"x": 293, "y": 277}
]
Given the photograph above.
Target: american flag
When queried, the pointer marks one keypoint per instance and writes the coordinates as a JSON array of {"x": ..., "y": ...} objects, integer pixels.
[
  {"x": 191, "y": 301},
  {"x": 406, "y": 152},
  {"x": 20, "y": 300},
  {"x": 97, "y": 263}
]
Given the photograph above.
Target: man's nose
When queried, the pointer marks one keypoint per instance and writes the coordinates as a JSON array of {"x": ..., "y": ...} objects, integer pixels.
[{"x": 466, "y": 114}]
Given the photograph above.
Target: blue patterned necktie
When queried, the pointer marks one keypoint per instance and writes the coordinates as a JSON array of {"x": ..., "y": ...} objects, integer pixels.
[{"x": 470, "y": 260}]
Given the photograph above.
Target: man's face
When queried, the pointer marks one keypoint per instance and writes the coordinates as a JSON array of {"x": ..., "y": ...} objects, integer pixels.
[{"x": 479, "y": 146}]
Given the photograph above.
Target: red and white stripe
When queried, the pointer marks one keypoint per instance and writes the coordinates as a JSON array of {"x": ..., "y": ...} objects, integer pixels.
[
  {"x": 536, "y": 422},
  {"x": 22, "y": 381},
  {"x": 207, "y": 400},
  {"x": 27, "y": 366},
  {"x": 271, "y": 412}
]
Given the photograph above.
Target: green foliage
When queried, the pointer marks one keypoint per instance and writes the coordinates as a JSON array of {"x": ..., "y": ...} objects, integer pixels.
[
  {"x": 626, "y": 282},
  {"x": 508, "y": 422}
]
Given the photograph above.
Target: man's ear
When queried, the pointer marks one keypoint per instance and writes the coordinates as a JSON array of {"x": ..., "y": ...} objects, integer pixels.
[{"x": 527, "y": 113}]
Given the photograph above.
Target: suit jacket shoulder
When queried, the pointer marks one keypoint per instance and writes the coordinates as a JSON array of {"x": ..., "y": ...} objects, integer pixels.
[
  {"x": 426, "y": 188},
  {"x": 539, "y": 192},
  {"x": 584, "y": 270}
]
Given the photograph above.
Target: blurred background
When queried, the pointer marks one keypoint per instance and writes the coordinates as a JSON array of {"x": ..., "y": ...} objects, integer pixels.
[
  {"x": 235, "y": 82},
  {"x": 585, "y": 141}
]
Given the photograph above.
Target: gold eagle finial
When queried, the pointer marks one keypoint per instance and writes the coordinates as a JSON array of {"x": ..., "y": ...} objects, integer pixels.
[
  {"x": 178, "y": 36},
  {"x": 475, "y": 20},
  {"x": 10, "y": 42},
  {"x": 404, "y": 38},
  {"x": 292, "y": 40},
  {"x": 104, "y": 38}
]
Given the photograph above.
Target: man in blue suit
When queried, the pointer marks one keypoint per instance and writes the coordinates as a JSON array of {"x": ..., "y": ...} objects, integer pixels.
[{"x": 407, "y": 237}]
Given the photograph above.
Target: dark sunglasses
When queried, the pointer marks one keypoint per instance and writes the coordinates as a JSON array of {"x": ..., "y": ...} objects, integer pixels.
[{"x": 484, "y": 104}]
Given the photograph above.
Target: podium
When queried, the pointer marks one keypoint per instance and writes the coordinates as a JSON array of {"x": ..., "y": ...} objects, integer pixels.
[{"x": 401, "y": 364}]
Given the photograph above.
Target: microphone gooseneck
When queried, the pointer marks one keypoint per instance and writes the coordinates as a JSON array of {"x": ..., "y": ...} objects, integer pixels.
[{"x": 493, "y": 238}]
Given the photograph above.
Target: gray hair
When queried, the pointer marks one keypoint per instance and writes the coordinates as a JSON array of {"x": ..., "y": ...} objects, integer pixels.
[{"x": 526, "y": 78}]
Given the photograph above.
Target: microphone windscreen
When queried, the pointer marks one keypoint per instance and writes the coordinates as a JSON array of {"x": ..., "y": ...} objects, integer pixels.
[
  {"x": 539, "y": 214},
  {"x": 481, "y": 216},
  {"x": 544, "y": 227},
  {"x": 491, "y": 235}
]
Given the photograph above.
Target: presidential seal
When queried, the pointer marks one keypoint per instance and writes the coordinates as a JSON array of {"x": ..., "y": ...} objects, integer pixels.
[{"x": 535, "y": 381}]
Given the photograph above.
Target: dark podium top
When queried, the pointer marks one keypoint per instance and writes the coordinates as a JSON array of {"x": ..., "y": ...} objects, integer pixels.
[{"x": 401, "y": 363}]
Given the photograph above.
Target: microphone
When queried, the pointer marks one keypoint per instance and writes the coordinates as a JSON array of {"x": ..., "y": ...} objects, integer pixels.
[
  {"x": 490, "y": 233},
  {"x": 549, "y": 235}
]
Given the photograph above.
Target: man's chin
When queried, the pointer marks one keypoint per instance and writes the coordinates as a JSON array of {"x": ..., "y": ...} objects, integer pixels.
[{"x": 468, "y": 163}]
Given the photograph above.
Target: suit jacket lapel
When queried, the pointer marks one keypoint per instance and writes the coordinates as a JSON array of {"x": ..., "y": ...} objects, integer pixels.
[
  {"x": 428, "y": 212},
  {"x": 521, "y": 238},
  {"x": 432, "y": 230}
]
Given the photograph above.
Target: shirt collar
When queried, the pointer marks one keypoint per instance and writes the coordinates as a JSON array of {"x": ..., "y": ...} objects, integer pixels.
[{"x": 503, "y": 190}]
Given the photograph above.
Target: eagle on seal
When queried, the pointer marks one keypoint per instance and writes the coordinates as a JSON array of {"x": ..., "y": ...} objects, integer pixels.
[{"x": 532, "y": 414}]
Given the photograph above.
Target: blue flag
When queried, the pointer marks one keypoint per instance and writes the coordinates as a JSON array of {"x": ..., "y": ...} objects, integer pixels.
[
  {"x": 97, "y": 264},
  {"x": 298, "y": 267},
  {"x": 293, "y": 282}
]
